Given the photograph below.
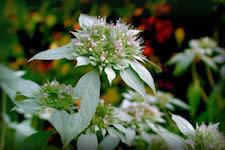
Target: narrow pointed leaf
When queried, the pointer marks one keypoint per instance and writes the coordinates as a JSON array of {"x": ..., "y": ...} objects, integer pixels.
[
  {"x": 81, "y": 61},
  {"x": 184, "y": 126},
  {"x": 111, "y": 75},
  {"x": 55, "y": 53},
  {"x": 25, "y": 87},
  {"x": 132, "y": 80},
  {"x": 85, "y": 20},
  {"x": 144, "y": 74}
]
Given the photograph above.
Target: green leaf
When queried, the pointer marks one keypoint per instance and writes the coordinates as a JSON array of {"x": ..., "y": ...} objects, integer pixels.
[
  {"x": 194, "y": 97},
  {"x": 36, "y": 141},
  {"x": 184, "y": 126},
  {"x": 81, "y": 61},
  {"x": 70, "y": 125},
  {"x": 9, "y": 91},
  {"x": 111, "y": 75},
  {"x": 87, "y": 141},
  {"x": 6, "y": 73},
  {"x": 182, "y": 61},
  {"x": 123, "y": 116},
  {"x": 129, "y": 133},
  {"x": 132, "y": 80},
  {"x": 209, "y": 62},
  {"x": 109, "y": 143},
  {"x": 23, "y": 129},
  {"x": 155, "y": 67},
  {"x": 116, "y": 134},
  {"x": 144, "y": 74},
  {"x": 86, "y": 20},
  {"x": 179, "y": 103},
  {"x": 55, "y": 53},
  {"x": 28, "y": 105},
  {"x": 175, "y": 142},
  {"x": 25, "y": 87}
]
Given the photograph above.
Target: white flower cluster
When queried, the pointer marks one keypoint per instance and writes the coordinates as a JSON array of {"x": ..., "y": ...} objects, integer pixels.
[
  {"x": 160, "y": 99},
  {"x": 106, "y": 45},
  {"x": 142, "y": 111},
  {"x": 203, "y": 46},
  {"x": 207, "y": 137}
]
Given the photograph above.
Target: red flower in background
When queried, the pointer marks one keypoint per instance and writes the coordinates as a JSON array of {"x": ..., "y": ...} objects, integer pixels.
[
  {"x": 163, "y": 29},
  {"x": 148, "y": 50},
  {"x": 41, "y": 66}
]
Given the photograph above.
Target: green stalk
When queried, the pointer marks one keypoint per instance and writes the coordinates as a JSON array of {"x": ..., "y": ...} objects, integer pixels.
[
  {"x": 210, "y": 77},
  {"x": 196, "y": 79},
  {"x": 3, "y": 124},
  {"x": 170, "y": 121},
  {"x": 213, "y": 85}
]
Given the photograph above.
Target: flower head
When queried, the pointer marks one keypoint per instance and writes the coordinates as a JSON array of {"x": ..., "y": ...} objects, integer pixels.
[
  {"x": 207, "y": 137},
  {"x": 58, "y": 96},
  {"x": 106, "y": 44}
]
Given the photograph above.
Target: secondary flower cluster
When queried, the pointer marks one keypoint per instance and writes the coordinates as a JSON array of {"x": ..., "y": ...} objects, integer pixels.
[
  {"x": 207, "y": 137},
  {"x": 58, "y": 96},
  {"x": 104, "y": 116},
  {"x": 138, "y": 107},
  {"x": 204, "y": 49},
  {"x": 143, "y": 111},
  {"x": 160, "y": 99},
  {"x": 105, "y": 44},
  {"x": 204, "y": 45}
]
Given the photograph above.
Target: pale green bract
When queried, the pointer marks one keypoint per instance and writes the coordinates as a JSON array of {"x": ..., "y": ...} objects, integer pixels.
[{"x": 108, "y": 47}]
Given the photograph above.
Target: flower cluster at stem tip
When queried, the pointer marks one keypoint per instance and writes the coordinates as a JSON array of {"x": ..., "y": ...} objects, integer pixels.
[
  {"x": 204, "y": 45},
  {"x": 207, "y": 137},
  {"x": 58, "y": 96},
  {"x": 144, "y": 111},
  {"x": 104, "y": 115},
  {"x": 106, "y": 45}
]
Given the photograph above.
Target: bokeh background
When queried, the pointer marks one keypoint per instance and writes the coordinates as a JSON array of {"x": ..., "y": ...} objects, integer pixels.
[{"x": 30, "y": 26}]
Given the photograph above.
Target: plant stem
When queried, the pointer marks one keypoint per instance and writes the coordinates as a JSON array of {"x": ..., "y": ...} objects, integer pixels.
[
  {"x": 210, "y": 77},
  {"x": 3, "y": 124},
  {"x": 168, "y": 118},
  {"x": 213, "y": 85},
  {"x": 196, "y": 79}
]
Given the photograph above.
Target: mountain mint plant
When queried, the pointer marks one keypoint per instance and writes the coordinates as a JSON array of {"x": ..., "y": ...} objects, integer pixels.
[
  {"x": 78, "y": 114},
  {"x": 108, "y": 47}
]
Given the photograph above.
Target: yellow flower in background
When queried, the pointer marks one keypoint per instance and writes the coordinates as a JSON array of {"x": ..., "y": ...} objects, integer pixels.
[
  {"x": 53, "y": 45},
  {"x": 179, "y": 35},
  {"x": 111, "y": 96},
  {"x": 65, "y": 69}
]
